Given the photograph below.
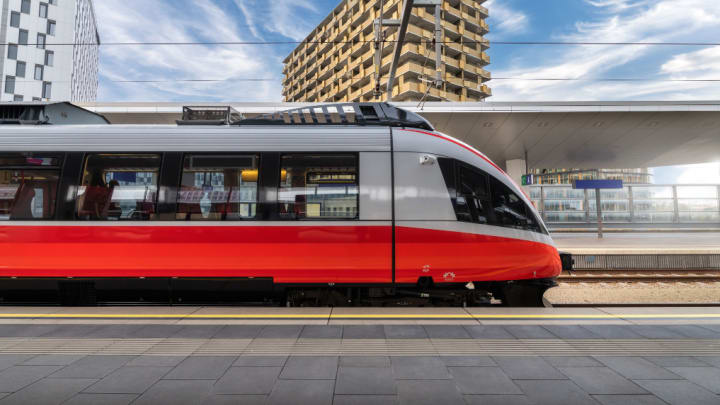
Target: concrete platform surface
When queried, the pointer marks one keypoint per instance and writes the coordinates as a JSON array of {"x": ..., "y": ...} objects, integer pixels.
[
  {"x": 639, "y": 243},
  {"x": 123, "y": 363}
]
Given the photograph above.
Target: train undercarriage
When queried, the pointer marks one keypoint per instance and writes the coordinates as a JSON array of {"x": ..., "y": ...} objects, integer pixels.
[{"x": 263, "y": 292}]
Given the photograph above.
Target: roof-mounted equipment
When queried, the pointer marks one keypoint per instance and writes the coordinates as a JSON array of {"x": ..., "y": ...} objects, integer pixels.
[
  {"x": 209, "y": 115},
  {"x": 376, "y": 114}
]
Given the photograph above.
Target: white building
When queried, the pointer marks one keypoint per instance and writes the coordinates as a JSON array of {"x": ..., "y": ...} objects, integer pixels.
[{"x": 52, "y": 51}]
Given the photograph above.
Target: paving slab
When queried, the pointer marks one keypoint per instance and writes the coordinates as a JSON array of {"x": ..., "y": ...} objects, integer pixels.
[
  {"x": 419, "y": 368},
  {"x": 160, "y": 361},
  {"x": 571, "y": 332},
  {"x": 52, "y": 360},
  {"x": 529, "y": 332},
  {"x": 629, "y": 400},
  {"x": 260, "y": 361},
  {"x": 405, "y": 332},
  {"x": 483, "y": 380},
  {"x": 9, "y": 360},
  {"x": 555, "y": 392},
  {"x": 156, "y": 331},
  {"x": 310, "y": 368},
  {"x": 93, "y": 367},
  {"x": 601, "y": 380},
  {"x": 72, "y": 331},
  {"x": 302, "y": 392},
  {"x": 247, "y": 380},
  {"x": 429, "y": 392},
  {"x": 16, "y": 378},
  {"x": 363, "y": 332},
  {"x": 129, "y": 380},
  {"x": 498, "y": 399},
  {"x": 201, "y": 368},
  {"x": 239, "y": 332},
  {"x": 572, "y": 361},
  {"x": 679, "y": 392},
  {"x": 365, "y": 361},
  {"x": 655, "y": 332},
  {"x": 637, "y": 368},
  {"x": 25, "y": 330},
  {"x": 176, "y": 392},
  {"x": 322, "y": 332},
  {"x": 48, "y": 391},
  {"x": 446, "y": 332},
  {"x": 197, "y": 332},
  {"x": 488, "y": 332},
  {"x": 676, "y": 361},
  {"x": 613, "y": 332},
  {"x": 114, "y": 331},
  {"x": 528, "y": 368},
  {"x": 365, "y": 400},
  {"x": 365, "y": 381},
  {"x": 694, "y": 331},
  {"x": 706, "y": 377},
  {"x": 468, "y": 361},
  {"x": 280, "y": 332},
  {"x": 104, "y": 399},
  {"x": 712, "y": 360},
  {"x": 235, "y": 400}
]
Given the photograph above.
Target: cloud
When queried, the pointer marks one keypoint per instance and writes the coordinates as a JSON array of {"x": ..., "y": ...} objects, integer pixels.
[
  {"x": 706, "y": 173},
  {"x": 284, "y": 17},
  {"x": 665, "y": 20},
  {"x": 169, "y": 21},
  {"x": 506, "y": 20},
  {"x": 617, "y": 5}
]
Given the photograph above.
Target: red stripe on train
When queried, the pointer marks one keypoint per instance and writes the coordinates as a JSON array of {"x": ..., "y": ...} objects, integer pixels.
[{"x": 292, "y": 254}]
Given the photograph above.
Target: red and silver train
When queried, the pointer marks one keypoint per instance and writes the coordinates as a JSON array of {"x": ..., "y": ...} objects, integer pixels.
[{"x": 330, "y": 205}]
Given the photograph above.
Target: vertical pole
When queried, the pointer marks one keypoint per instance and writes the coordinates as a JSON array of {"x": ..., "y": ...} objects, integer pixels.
[
  {"x": 631, "y": 204},
  {"x": 379, "y": 42},
  {"x": 438, "y": 47},
  {"x": 676, "y": 206},
  {"x": 599, "y": 213}
]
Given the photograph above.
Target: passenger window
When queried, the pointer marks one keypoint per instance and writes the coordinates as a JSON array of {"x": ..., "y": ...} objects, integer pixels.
[
  {"x": 28, "y": 186},
  {"x": 468, "y": 190},
  {"x": 119, "y": 187},
  {"x": 218, "y": 188},
  {"x": 510, "y": 210},
  {"x": 318, "y": 186}
]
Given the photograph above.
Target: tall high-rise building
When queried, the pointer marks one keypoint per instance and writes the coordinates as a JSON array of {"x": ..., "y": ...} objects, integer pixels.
[
  {"x": 336, "y": 60},
  {"x": 35, "y": 69}
]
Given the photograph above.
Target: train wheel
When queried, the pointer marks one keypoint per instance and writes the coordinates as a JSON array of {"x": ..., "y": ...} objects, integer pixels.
[{"x": 523, "y": 295}]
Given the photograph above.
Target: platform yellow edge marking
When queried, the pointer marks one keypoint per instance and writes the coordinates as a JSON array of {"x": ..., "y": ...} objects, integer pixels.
[{"x": 362, "y": 316}]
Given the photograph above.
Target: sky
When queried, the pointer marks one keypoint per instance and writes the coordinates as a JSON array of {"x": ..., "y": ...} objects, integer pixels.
[{"x": 254, "y": 72}]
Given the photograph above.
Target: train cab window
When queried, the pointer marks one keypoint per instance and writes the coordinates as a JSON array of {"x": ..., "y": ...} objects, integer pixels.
[
  {"x": 218, "y": 188},
  {"x": 119, "y": 187},
  {"x": 318, "y": 186},
  {"x": 469, "y": 191},
  {"x": 510, "y": 210},
  {"x": 28, "y": 186}
]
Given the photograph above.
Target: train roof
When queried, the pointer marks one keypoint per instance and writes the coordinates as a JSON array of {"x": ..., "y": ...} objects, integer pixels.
[{"x": 362, "y": 114}]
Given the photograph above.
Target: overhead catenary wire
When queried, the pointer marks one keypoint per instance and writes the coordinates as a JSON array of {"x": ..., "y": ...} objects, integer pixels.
[{"x": 412, "y": 41}]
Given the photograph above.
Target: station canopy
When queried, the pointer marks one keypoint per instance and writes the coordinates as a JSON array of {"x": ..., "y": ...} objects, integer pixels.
[{"x": 546, "y": 134}]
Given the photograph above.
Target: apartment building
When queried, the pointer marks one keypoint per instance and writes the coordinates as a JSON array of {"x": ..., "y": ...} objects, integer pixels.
[
  {"x": 52, "y": 51},
  {"x": 336, "y": 60}
]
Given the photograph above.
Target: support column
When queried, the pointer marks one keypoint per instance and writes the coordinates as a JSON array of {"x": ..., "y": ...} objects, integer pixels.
[{"x": 516, "y": 169}]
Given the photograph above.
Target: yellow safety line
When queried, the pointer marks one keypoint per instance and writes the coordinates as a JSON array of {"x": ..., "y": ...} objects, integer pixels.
[{"x": 362, "y": 316}]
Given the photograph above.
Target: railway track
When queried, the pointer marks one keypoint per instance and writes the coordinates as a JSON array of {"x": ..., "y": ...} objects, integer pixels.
[{"x": 633, "y": 276}]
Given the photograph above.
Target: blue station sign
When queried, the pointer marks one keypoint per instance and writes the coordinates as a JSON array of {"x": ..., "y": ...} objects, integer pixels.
[{"x": 597, "y": 184}]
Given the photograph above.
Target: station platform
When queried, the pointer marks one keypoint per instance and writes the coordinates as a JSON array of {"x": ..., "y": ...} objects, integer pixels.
[
  {"x": 689, "y": 243},
  {"x": 224, "y": 355}
]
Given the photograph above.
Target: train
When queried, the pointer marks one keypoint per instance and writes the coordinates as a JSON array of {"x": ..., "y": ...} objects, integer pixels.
[{"x": 334, "y": 204}]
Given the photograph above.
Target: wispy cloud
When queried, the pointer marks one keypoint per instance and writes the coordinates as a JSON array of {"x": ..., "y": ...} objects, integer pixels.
[
  {"x": 169, "y": 21},
  {"x": 505, "y": 19},
  {"x": 665, "y": 20},
  {"x": 284, "y": 17}
]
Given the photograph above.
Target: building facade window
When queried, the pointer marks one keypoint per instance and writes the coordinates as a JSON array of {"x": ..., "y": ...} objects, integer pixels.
[
  {"x": 20, "y": 69},
  {"x": 18, "y": 97},
  {"x": 51, "y": 27},
  {"x": 47, "y": 90},
  {"x": 39, "y": 72},
  {"x": 23, "y": 37},
  {"x": 41, "y": 41},
  {"x": 25, "y": 6},
  {"x": 9, "y": 84},
  {"x": 12, "y": 51},
  {"x": 54, "y": 2},
  {"x": 43, "y": 10},
  {"x": 15, "y": 19},
  {"x": 49, "y": 58}
]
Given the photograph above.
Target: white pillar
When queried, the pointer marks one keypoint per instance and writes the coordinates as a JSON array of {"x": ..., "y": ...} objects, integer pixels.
[{"x": 516, "y": 169}]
